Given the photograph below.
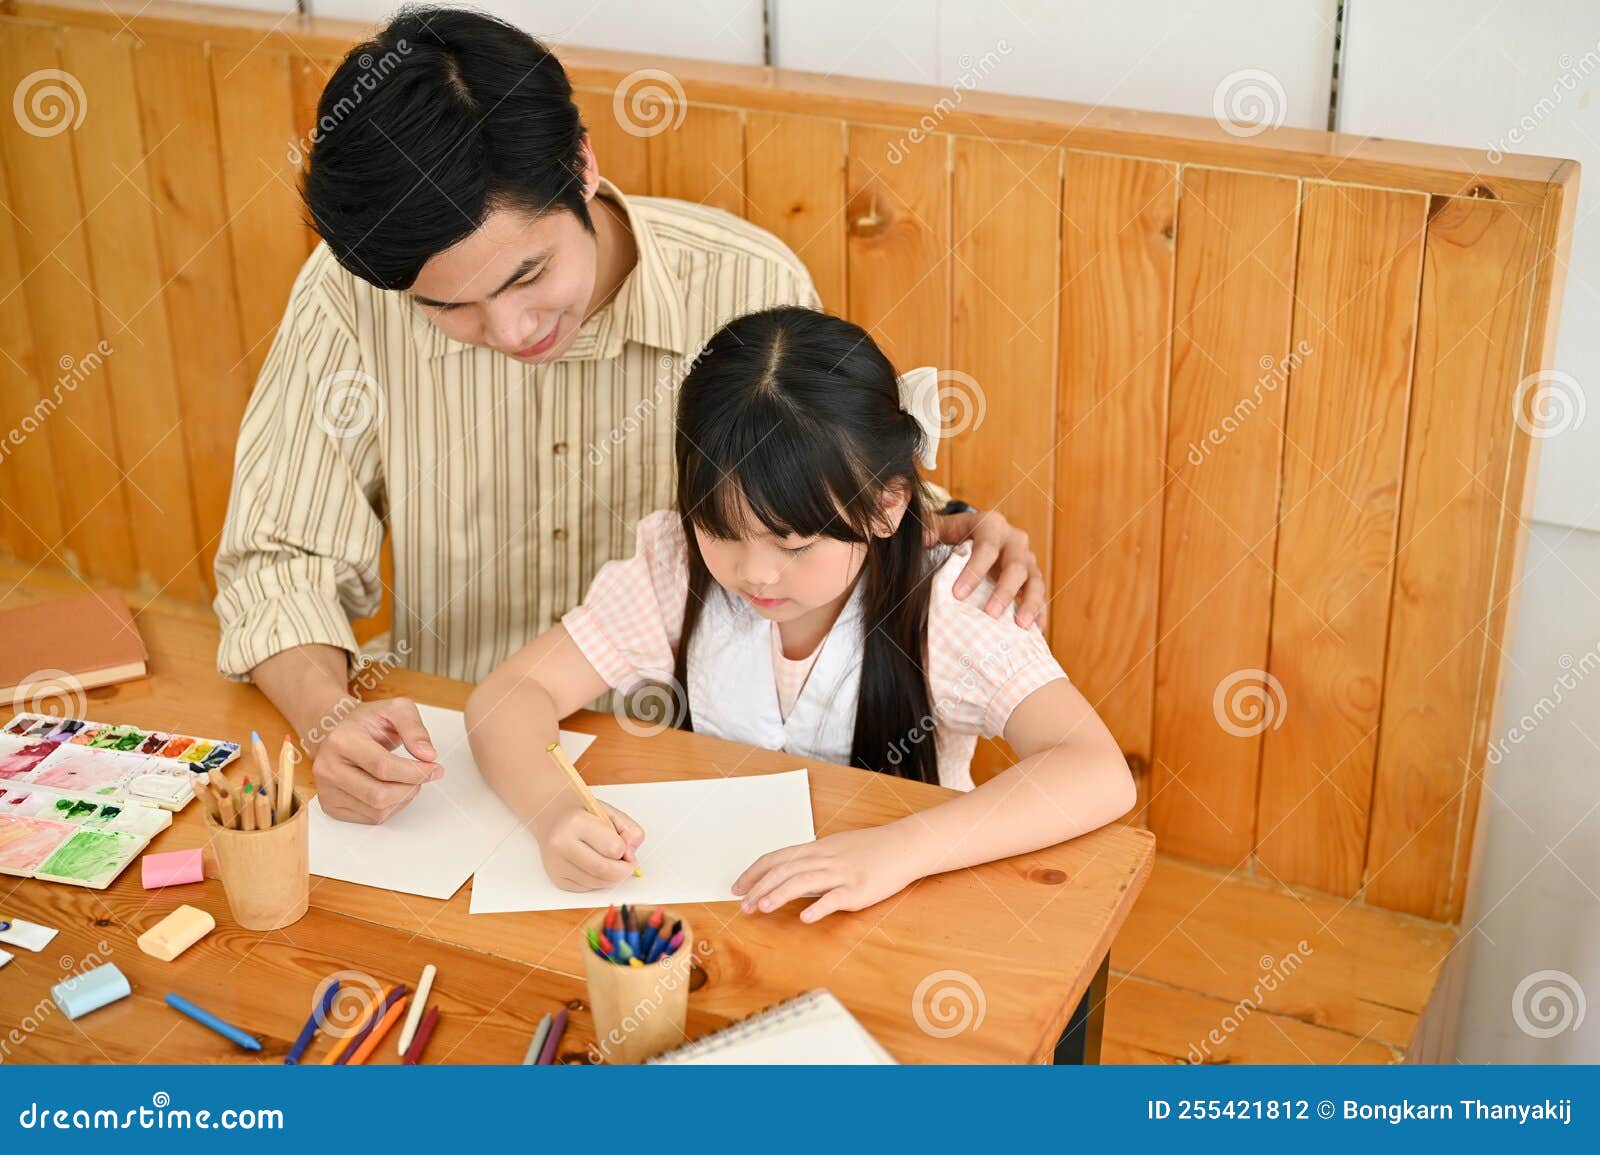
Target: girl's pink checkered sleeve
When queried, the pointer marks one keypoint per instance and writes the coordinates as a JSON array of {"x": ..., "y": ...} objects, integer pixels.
[
  {"x": 630, "y": 621},
  {"x": 980, "y": 668}
]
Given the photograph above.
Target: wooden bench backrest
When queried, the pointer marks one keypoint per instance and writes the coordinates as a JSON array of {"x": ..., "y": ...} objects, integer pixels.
[{"x": 1265, "y": 401}]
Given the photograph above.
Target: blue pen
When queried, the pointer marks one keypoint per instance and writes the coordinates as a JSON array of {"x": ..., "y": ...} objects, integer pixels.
[
  {"x": 309, "y": 1031},
  {"x": 633, "y": 940},
  {"x": 207, "y": 1019}
]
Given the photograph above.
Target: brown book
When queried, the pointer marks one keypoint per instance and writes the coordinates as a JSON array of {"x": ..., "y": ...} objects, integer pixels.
[{"x": 91, "y": 639}]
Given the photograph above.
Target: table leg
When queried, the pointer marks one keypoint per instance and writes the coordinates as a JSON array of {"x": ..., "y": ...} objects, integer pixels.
[{"x": 1080, "y": 1043}]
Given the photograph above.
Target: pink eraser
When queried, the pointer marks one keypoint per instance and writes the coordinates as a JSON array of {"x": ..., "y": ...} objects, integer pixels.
[{"x": 171, "y": 868}]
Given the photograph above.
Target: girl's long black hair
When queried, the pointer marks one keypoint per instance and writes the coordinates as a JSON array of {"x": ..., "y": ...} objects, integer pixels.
[{"x": 794, "y": 417}]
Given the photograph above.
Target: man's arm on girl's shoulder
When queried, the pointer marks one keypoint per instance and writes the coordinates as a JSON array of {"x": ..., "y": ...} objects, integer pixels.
[{"x": 1000, "y": 552}]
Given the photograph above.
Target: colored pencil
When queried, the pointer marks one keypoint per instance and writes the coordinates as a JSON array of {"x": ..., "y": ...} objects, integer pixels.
[
  {"x": 424, "y": 1033},
  {"x": 418, "y": 1005},
  {"x": 225, "y": 807},
  {"x": 247, "y": 807},
  {"x": 207, "y": 1019},
  {"x": 286, "y": 780},
  {"x": 319, "y": 1015},
  {"x": 263, "y": 811},
  {"x": 263, "y": 764},
  {"x": 378, "y": 1033},
  {"x": 536, "y": 1044},
  {"x": 585, "y": 795},
  {"x": 558, "y": 1027}
]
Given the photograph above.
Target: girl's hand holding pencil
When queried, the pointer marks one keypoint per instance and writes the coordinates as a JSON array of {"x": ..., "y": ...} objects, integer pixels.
[
  {"x": 586, "y": 844},
  {"x": 584, "y": 852}
]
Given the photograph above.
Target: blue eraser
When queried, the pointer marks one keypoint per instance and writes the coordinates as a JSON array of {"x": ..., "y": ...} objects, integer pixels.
[{"x": 80, "y": 994}]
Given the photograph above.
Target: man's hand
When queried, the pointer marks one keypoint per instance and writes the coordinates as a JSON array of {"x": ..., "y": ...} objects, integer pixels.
[
  {"x": 999, "y": 551},
  {"x": 359, "y": 777}
]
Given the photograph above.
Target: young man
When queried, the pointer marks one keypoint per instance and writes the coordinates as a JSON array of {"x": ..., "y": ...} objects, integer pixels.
[{"x": 482, "y": 356}]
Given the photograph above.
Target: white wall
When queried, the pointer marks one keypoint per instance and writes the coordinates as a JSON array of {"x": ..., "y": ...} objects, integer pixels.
[
  {"x": 705, "y": 29},
  {"x": 1164, "y": 55}
]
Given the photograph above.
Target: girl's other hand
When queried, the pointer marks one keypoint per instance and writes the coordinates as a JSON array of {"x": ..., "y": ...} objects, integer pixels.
[
  {"x": 582, "y": 852},
  {"x": 849, "y": 871}
]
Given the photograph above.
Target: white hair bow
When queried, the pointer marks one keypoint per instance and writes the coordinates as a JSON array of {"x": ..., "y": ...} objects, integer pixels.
[{"x": 919, "y": 396}]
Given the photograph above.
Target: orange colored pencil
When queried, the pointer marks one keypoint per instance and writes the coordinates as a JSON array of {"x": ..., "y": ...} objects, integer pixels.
[
  {"x": 343, "y": 1044},
  {"x": 370, "y": 1043}
]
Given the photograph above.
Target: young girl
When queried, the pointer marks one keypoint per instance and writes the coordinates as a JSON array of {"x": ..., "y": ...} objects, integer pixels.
[{"x": 791, "y": 596}]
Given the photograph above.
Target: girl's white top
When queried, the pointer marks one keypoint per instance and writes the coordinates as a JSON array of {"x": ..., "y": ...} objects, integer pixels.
[{"x": 979, "y": 668}]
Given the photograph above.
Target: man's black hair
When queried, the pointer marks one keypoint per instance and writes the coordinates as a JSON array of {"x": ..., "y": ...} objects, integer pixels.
[{"x": 443, "y": 116}]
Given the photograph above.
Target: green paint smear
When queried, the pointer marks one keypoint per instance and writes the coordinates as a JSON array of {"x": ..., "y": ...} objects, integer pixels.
[{"x": 89, "y": 854}]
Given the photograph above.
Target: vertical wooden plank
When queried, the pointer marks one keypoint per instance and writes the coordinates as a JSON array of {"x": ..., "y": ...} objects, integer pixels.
[
  {"x": 308, "y": 75},
  {"x": 30, "y": 522},
  {"x": 1117, "y": 253},
  {"x": 57, "y": 286},
  {"x": 1000, "y": 396},
  {"x": 176, "y": 108},
  {"x": 1356, "y": 286},
  {"x": 1232, "y": 296},
  {"x": 701, "y": 158},
  {"x": 120, "y": 229},
  {"x": 1559, "y": 215},
  {"x": 256, "y": 129},
  {"x": 622, "y": 155},
  {"x": 794, "y": 185},
  {"x": 897, "y": 251},
  {"x": 1477, "y": 277}
]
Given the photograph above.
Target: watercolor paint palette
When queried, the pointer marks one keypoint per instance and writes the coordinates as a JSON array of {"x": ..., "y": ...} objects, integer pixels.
[
  {"x": 116, "y": 762},
  {"x": 64, "y": 836}
]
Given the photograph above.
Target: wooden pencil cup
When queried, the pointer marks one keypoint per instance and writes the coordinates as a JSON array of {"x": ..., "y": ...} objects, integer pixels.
[
  {"x": 638, "y": 1011},
  {"x": 266, "y": 873}
]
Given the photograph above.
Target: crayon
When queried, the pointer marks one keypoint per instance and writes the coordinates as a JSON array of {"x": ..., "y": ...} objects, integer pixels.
[
  {"x": 318, "y": 1016},
  {"x": 536, "y": 1044},
  {"x": 424, "y": 1033},
  {"x": 558, "y": 1027},
  {"x": 371, "y": 1042},
  {"x": 207, "y": 1019}
]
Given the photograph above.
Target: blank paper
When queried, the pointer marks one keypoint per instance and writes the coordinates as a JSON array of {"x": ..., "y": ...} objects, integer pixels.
[
  {"x": 700, "y": 835},
  {"x": 433, "y": 845}
]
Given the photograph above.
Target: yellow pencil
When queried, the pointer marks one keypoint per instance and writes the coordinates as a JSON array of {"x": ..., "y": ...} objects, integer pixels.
[
  {"x": 585, "y": 795},
  {"x": 285, "y": 779},
  {"x": 263, "y": 766}
]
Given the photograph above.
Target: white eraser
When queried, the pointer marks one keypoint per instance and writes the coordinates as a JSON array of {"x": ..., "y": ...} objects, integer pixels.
[{"x": 27, "y": 935}]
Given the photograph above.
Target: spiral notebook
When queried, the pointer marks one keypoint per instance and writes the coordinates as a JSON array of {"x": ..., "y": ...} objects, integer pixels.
[{"x": 807, "y": 1030}]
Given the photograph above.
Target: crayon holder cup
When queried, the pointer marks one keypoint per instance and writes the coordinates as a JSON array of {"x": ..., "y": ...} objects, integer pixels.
[
  {"x": 639, "y": 1011},
  {"x": 266, "y": 873}
]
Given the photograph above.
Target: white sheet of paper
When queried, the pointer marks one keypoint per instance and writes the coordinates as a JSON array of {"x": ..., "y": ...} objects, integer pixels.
[
  {"x": 700, "y": 834},
  {"x": 433, "y": 845}
]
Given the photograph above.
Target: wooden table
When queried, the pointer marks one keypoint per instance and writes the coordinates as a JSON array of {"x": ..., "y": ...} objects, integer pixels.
[{"x": 1023, "y": 937}]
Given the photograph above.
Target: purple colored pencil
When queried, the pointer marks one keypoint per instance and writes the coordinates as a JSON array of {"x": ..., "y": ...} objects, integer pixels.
[
  {"x": 372, "y": 1021},
  {"x": 558, "y": 1027}
]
